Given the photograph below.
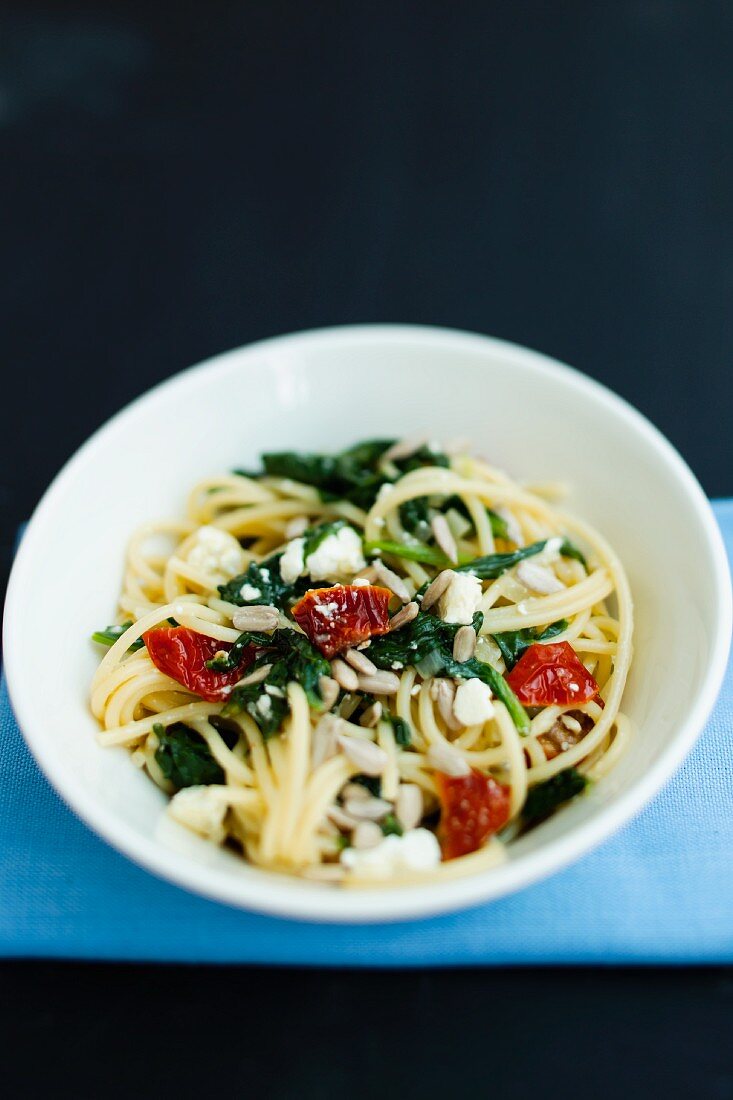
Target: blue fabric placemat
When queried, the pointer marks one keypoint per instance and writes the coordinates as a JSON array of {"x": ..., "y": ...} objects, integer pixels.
[{"x": 660, "y": 891}]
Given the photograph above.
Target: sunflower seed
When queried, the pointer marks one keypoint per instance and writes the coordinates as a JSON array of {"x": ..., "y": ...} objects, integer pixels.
[
  {"x": 344, "y": 675},
  {"x": 340, "y": 817},
  {"x": 436, "y": 588},
  {"x": 255, "y": 677},
  {"x": 367, "y": 834},
  {"x": 255, "y": 618},
  {"x": 444, "y": 536},
  {"x": 446, "y": 759},
  {"x": 329, "y": 690},
  {"x": 538, "y": 578},
  {"x": 513, "y": 530},
  {"x": 445, "y": 691},
  {"x": 404, "y": 616},
  {"x": 368, "y": 809},
  {"x": 371, "y": 715},
  {"x": 464, "y": 644},
  {"x": 325, "y": 744},
  {"x": 360, "y": 662},
  {"x": 391, "y": 580},
  {"x": 355, "y": 791},
  {"x": 295, "y": 527},
  {"x": 381, "y": 683},
  {"x": 368, "y": 757},
  {"x": 408, "y": 805},
  {"x": 403, "y": 448}
]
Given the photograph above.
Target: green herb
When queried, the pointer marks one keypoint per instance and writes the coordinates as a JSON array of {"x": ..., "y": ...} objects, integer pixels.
[
  {"x": 545, "y": 797},
  {"x": 414, "y": 551},
  {"x": 513, "y": 643},
  {"x": 390, "y": 826},
  {"x": 293, "y": 658},
  {"x": 110, "y": 634},
  {"x": 184, "y": 757},
  {"x": 401, "y": 729}
]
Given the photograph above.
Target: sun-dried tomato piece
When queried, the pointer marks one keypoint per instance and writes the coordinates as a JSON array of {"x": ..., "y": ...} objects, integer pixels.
[
  {"x": 182, "y": 654},
  {"x": 473, "y": 808},
  {"x": 547, "y": 674},
  {"x": 336, "y": 618}
]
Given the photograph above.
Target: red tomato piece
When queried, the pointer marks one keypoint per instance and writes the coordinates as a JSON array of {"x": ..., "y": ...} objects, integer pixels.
[
  {"x": 473, "y": 808},
  {"x": 336, "y": 618},
  {"x": 182, "y": 654},
  {"x": 553, "y": 673}
]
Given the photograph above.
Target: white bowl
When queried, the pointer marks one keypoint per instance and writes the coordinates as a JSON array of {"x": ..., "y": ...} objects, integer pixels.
[{"x": 322, "y": 390}]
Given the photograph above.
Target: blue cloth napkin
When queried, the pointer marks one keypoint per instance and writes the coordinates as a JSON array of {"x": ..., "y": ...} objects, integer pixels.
[{"x": 660, "y": 891}]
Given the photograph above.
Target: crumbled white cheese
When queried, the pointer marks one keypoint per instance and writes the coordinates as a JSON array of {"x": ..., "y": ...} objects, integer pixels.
[
  {"x": 416, "y": 850},
  {"x": 538, "y": 578},
  {"x": 472, "y": 704},
  {"x": 461, "y": 599},
  {"x": 264, "y": 706},
  {"x": 291, "y": 563},
  {"x": 199, "y": 809},
  {"x": 339, "y": 555},
  {"x": 215, "y": 553},
  {"x": 249, "y": 592},
  {"x": 273, "y": 689}
]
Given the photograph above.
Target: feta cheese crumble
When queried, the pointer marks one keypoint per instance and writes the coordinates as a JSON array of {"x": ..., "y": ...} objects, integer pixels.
[
  {"x": 472, "y": 705},
  {"x": 461, "y": 599},
  {"x": 249, "y": 592},
  {"x": 201, "y": 811},
  {"x": 416, "y": 850},
  {"x": 338, "y": 557},
  {"x": 291, "y": 563},
  {"x": 216, "y": 553}
]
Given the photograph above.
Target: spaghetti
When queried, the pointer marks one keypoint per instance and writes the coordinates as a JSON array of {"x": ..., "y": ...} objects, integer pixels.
[{"x": 378, "y": 666}]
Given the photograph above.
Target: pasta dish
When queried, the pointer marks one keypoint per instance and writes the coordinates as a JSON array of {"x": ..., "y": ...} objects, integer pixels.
[{"x": 372, "y": 667}]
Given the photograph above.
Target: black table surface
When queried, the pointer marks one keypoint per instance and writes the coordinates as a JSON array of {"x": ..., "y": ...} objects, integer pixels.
[{"x": 178, "y": 179}]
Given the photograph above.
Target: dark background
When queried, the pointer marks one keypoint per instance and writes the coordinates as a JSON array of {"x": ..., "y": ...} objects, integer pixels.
[{"x": 179, "y": 179}]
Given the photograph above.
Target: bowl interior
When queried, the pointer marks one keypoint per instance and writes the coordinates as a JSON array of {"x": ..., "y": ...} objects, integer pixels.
[{"x": 323, "y": 391}]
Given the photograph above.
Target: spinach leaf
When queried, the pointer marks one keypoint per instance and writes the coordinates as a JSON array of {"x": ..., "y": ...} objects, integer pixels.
[
  {"x": 492, "y": 566},
  {"x": 545, "y": 797},
  {"x": 415, "y": 517},
  {"x": 110, "y": 634},
  {"x": 570, "y": 550},
  {"x": 498, "y": 525},
  {"x": 513, "y": 643},
  {"x": 293, "y": 658},
  {"x": 390, "y": 826},
  {"x": 266, "y": 579},
  {"x": 414, "y": 551},
  {"x": 427, "y": 635},
  {"x": 184, "y": 757},
  {"x": 401, "y": 729},
  {"x": 413, "y": 642},
  {"x": 354, "y": 474}
]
